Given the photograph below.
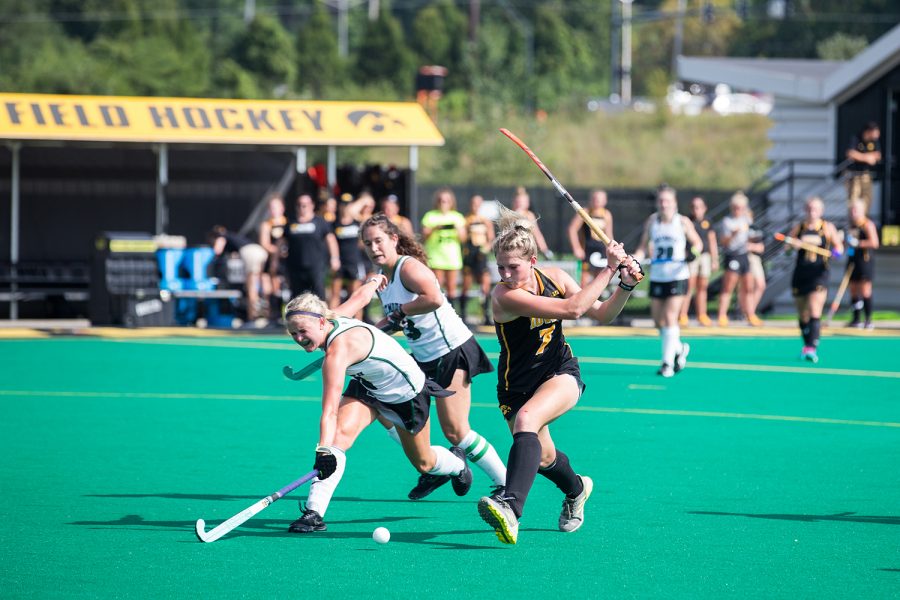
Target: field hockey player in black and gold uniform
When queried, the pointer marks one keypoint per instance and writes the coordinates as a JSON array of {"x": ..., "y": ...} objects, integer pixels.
[
  {"x": 810, "y": 281},
  {"x": 538, "y": 377},
  {"x": 862, "y": 237}
]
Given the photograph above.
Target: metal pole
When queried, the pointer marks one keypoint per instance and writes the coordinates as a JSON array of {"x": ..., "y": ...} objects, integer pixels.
[
  {"x": 14, "y": 231},
  {"x": 374, "y": 9},
  {"x": 249, "y": 10},
  {"x": 626, "y": 51},
  {"x": 343, "y": 43},
  {"x": 615, "y": 45},
  {"x": 162, "y": 180},
  {"x": 412, "y": 187},
  {"x": 679, "y": 36},
  {"x": 332, "y": 168}
]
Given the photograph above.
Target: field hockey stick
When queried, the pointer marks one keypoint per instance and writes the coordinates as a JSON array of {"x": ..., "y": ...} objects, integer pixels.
[
  {"x": 315, "y": 365},
  {"x": 803, "y": 245},
  {"x": 601, "y": 235},
  {"x": 238, "y": 519},
  {"x": 840, "y": 294}
]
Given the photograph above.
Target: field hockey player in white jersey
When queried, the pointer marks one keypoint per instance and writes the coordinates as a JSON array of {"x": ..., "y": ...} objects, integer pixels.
[
  {"x": 440, "y": 342},
  {"x": 666, "y": 237},
  {"x": 385, "y": 382}
]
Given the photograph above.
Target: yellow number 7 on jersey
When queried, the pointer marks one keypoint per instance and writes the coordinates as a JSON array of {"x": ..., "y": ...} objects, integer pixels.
[{"x": 546, "y": 335}]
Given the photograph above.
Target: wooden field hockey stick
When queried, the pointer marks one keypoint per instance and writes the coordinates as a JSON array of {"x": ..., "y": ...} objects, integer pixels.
[
  {"x": 803, "y": 245},
  {"x": 240, "y": 518},
  {"x": 601, "y": 235},
  {"x": 840, "y": 294}
]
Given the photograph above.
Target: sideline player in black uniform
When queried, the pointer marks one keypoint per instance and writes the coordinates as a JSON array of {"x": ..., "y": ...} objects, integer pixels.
[
  {"x": 353, "y": 268},
  {"x": 312, "y": 248},
  {"x": 862, "y": 237},
  {"x": 810, "y": 280},
  {"x": 538, "y": 377},
  {"x": 479, "y": 237},
  {"x": 586, "y": 247},
  {"x": 702, "y": 267},
  {"x": 271, "y": 237}
]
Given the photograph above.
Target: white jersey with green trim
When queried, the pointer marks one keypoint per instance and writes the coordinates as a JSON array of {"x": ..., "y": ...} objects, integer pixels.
[
  {"x": 431, "y": 335},
  {"x": 669, "y": 244},
  {"x": 387, "y": 372}
]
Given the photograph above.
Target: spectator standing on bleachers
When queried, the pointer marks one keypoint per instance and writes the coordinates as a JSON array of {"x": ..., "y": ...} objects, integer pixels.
[
  {"x": 312, "y": 248},
  {"x": 390, "y": 206},
  {"x": 352, "y": 270},
  {"x": 328, "y": 209},
  {"x": 479, "y": 237},
  {"x": 253, "y": 256},
  {"x": 865, "y": 152},
  {"x": 443, "y": 232},
  {"x": 272, "y": 238},
  {"x": 734, "y": 237},
  {"x": 586, "y": 246},
  {"x": 521, "y": 205},
  {"x": 862, "y": 240},
  {"x": 702, "y": 267}
]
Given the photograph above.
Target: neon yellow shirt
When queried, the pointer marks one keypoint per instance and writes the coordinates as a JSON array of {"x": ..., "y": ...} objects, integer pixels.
[{"x": 442, "y": 247}]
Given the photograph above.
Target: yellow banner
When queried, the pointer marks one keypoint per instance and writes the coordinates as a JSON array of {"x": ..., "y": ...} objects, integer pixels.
[{"x": 209, "y": 121}]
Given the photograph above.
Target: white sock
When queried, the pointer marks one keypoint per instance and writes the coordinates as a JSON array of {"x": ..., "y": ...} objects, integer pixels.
[
  {"x": 392, "y": 433},
  {"x": 447, "y": 463},
  {"x": 321, "y": 490},
  {"x": 671, "y": 343},
  {"x": 482, "y": 453}
]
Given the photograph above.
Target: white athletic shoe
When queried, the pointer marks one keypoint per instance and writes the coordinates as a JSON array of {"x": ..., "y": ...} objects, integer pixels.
[
  {"x": 681, "y": 357},
  {"x": 572, "y": 515},
  {"x": 666, "y": 370}
]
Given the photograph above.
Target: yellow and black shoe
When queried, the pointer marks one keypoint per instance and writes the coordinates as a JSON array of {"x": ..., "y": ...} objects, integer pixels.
[{"x": 497, "y": 513}]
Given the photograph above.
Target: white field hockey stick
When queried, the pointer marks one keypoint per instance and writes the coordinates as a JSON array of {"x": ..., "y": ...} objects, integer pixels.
[
  {"x": 247, "y": 513},
  {"x": 601, "y": 235}
]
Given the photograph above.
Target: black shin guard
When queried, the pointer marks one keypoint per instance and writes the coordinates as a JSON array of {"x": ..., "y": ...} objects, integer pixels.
[
  {"x": 521, "y": 468},
  {"x": 561, "y": 473},
  {"x": 461, "y": 302},
  {"x": 815, "y": 331},
  {"x": 804, "y": 331},
  {"x": 867, "y": 307},
  {"x": 857, "y": 305},
  {"x": 486, "y": 308}
]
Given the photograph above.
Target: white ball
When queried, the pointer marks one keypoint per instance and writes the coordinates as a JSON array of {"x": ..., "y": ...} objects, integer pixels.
[{"x": 381, "y": 535}]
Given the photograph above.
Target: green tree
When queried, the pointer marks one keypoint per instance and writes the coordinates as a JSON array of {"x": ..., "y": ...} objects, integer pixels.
[
  {"x": 266, "y": 50},
  {"x": 439, "y": 37},
  {"x": 319, "y": 65},
  {"x": 556, "y": 64},
  {"x": 384, "y": 57},
  {"x": 841, "y": 46}
]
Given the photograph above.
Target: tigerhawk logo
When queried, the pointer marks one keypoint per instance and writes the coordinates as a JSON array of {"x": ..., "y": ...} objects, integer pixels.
[{"x": 374, "y": 120}]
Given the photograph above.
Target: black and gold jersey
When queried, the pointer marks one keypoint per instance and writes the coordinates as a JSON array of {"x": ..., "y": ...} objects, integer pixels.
[
  {"x": 531, "y": 347},
  {"x": 861, "y": 233}
]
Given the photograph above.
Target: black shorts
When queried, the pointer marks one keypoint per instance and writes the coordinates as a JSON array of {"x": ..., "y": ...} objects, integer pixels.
[
  {"x": 512, "y": 401},
  {"x": 468, "y": 356},
  {"x": 667, "y": 289},
  {"x": 737, "y": 263},
  {"x": 475, "y": 260},
  {"x": 352, "y": 271},
  {"x": 805, "y": 282},
  {"x": 411, "y": 415},
  {"x": 863, "y": 270}
]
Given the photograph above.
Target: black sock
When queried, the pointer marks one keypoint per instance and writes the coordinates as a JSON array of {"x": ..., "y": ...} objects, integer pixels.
[
  {"x": 521, "y": 468},
  {"x": 867, "y": 307},
  {"x": 274, "y": 307},
  {"x": 804, "y": 331},
  {"x": 857, "y": 308},
  {"x": 461, "y": 301},
  {"x": 561, "y": 473},
  {"x": 486, "y": 307},
  {"x": 815, "y": 330}
]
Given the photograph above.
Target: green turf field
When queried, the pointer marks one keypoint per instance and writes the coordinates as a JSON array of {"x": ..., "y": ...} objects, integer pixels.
[{"x": 750, "y": 474}]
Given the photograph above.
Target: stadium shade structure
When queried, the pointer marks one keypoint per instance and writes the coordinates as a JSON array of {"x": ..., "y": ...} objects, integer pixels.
[{"x": 161, "y": 122}]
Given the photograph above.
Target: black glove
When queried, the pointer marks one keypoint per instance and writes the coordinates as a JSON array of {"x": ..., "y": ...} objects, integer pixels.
[
  {"x": 396, "y": 318},
  {"x": 326, "y": 462}
]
